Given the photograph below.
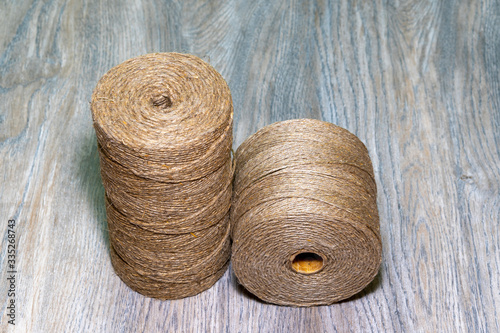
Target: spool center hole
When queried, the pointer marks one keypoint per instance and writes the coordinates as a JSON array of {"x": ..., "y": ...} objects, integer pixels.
[
  {"x": 162, "y": 101},
  {"x": 307, "y": 263}
]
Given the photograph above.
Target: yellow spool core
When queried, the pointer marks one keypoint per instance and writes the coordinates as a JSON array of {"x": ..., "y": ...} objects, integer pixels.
[{"x": 307, "y": 262}]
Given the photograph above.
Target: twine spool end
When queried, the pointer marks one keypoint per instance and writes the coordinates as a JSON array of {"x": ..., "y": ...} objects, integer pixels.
[
  {"x": 162, "y": 101},
  {"x": 307, "y": 262}
]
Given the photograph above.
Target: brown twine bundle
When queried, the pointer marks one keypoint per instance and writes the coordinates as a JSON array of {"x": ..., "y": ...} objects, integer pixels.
[
  {"x": 164, "y": 130},
  {"x": 304, "y": 218}
]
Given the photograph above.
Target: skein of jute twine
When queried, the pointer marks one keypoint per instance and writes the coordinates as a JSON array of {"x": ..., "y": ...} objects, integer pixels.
[
  {"x": 164, "y": 131},
  {"x": 304, "y": 217}
]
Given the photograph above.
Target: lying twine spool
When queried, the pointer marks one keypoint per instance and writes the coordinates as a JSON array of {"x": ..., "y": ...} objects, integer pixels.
[
  {"x": 304, "y": 218},
  {"x": 164, "y": 130}
]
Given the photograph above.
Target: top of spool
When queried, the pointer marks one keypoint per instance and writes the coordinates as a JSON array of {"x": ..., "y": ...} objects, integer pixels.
[{"x": 162, "y": 99}]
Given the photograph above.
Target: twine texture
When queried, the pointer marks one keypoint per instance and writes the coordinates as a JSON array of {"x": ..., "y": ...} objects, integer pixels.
[
  {"x": 163, "y": 123},
  {"x": 304, "y": 217}
]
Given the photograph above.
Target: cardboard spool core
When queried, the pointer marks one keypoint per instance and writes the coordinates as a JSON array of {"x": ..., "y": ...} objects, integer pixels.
[{"x": 307, "y": 262}]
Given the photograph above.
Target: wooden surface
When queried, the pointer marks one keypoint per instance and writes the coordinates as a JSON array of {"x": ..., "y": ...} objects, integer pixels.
[{"x": 417, "y": 81}]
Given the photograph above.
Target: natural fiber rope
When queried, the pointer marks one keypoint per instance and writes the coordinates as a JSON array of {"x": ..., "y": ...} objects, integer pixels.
[
  {"x": 164, "y": 129},
  {"x": 304, "y": 218},
  {"x": 189, "y": 205}
]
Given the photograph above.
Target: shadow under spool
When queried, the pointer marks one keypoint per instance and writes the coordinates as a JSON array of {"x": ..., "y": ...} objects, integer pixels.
[
  {"x": 163, "y": 123},
  {"x": 304, "y": 218}
]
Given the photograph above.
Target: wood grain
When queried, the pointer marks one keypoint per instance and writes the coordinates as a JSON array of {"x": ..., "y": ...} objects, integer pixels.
[{"x": 417, "y": 81}]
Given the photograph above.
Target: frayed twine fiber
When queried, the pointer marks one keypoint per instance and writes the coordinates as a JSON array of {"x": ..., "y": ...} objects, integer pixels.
[
  {"x": 304, "y": 217},
  {"x": 164, "y": 131}
]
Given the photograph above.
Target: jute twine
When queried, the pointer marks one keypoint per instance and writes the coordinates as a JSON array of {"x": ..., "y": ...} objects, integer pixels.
[
  {"x": 164, "y": 130},
  {"x": 304, "y": 218}
]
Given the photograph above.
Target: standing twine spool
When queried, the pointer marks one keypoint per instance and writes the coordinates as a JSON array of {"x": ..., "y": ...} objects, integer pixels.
[
  {"x": 164, "y": 131},
  {"x": 304, "y": 218}
]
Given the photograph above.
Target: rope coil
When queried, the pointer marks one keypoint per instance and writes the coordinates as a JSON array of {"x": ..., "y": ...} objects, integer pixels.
[
  {"x": 304, "y": 217},
  {"x": 163, "y": 123}
]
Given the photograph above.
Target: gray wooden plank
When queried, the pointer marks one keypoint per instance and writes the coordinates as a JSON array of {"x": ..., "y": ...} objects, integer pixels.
[{"x": 417, "y": 81}]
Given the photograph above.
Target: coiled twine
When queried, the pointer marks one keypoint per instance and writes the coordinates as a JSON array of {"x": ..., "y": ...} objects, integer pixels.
[
  {"x": 304, "y": 217},
  {"x": 164, "y": 130}
]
